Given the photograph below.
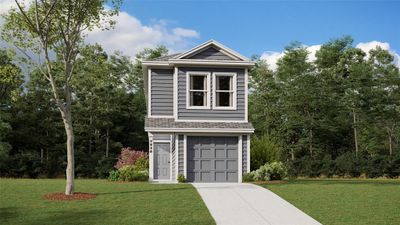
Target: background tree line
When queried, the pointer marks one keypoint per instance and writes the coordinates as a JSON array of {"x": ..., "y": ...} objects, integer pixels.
[
  {"x": 108, "y": 106},
  {"x": 337, "y": 115}
]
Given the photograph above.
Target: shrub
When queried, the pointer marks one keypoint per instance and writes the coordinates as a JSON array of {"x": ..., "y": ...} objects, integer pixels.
[
  {"x": 142, "y": 163},
  {"x": 113, "y": 175},
  {"x": 104, "y": 165},
  {"x": 129, "y": 156},
  {"x": 264, "y": 149},
  {"x": 248, "y": 177},
  {"x": 181, "y": 178},
  {"x": 348, "y": 165},
  {"x": 130, "y": 173},
  {"x": 270, "y": 171}
]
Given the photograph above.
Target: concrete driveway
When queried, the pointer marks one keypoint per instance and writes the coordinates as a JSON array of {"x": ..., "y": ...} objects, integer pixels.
[{"x": 249, "y": 204}]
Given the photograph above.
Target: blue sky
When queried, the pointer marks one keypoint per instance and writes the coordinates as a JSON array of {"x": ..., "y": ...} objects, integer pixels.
[
  {"x": 250, "y": 27},
  {"x": 253, "y": 27}
]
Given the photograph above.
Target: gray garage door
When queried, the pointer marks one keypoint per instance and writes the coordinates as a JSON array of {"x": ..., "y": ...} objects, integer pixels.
[{"x": 212, "y": 159}]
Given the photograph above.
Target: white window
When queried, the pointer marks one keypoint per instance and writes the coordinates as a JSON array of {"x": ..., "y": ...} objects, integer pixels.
[
  {"x": 224, "y": 91},
  {"x": 198, "y": 90}
]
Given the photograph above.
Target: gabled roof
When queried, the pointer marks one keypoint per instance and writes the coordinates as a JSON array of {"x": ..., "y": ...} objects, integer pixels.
[
  {"x": 213, "y": 54},
  {"x": 211, "y": 43}
]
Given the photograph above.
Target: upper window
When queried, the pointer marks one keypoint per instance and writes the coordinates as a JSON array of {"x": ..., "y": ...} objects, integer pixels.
[
  {"x": 224, "y": 91},
  {"x": 198, "y": 90}
]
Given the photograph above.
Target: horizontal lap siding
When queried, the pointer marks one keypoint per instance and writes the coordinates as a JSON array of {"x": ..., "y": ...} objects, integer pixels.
[
  {"x": 210, "y": 114},
  {"x": 162, "y": 92}
]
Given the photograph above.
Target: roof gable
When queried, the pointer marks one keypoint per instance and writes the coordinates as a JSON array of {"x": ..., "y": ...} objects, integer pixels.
[{"x": 211, "y": 50}]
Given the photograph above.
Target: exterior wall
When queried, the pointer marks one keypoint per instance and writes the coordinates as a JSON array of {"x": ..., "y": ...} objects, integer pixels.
[
  {"x": 162, "y": 94},
  {"x": 210, "y": 54},
  {"x": 210, "y": 114},
  {"x": 244, "y": 154}
]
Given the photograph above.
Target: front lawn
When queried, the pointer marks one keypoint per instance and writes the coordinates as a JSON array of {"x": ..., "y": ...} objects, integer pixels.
[
  {"x": 343, "y": 202},
  {"x": 116, "y": 203}
]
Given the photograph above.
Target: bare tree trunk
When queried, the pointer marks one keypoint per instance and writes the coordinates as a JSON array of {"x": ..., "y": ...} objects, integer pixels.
[
  {"x": 70, "y": 171},
  {"x": 355, "y": 132},
  {"x": 41, "y": 155},
  {"x": 90, "y": 124},
  {"x": 107, "y": 141}
]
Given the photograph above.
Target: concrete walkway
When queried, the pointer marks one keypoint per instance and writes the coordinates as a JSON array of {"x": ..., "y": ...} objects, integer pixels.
[{"x": 249, "y": 204}]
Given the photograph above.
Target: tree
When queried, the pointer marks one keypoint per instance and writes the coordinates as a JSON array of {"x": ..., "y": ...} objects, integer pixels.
[
  {"x": 10, "y": 89},
  {"x": 52, "y": 27}
]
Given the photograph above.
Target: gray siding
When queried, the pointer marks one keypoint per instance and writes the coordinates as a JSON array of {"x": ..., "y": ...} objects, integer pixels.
[
  {"x": 161, "y": 137},
  {"x": 181, "y": 157},
  {"x": 211, "y": 54},
  {"x": 244, "y": 154},
  {"x": 162, "y": 92},
  {"x": 210, "y": 114}
]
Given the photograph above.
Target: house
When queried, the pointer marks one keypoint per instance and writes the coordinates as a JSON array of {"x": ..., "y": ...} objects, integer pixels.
[{"x": 197, "y": 119}]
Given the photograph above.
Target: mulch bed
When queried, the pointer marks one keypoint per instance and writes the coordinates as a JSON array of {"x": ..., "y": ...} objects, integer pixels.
[{"x": 59, "y": 196}]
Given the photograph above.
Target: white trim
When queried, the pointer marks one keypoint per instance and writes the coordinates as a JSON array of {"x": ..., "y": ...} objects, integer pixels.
[
  {"x": 248, "y": 154},
  {"x": 207, "y": 44},
  {"x": 156, "y": 116},
  {"x": 185, "y": 155},
  {"x": 246, "y": 89},
  {"x": 208, "y": 91},
  {"x": 240, "y": 158},
  {"x": 205, "y": 120},
  {"x": 210, "y": 62},
  {"x": 149, "y": 93},
  {"x": 155, "y": 63},
  {"x": 175, "y": 96},
  {"x": 170, "y": 158},
  {"x": 196, "y": 130},
  {"x": 151, "y": 155},
  {"x": 176, "y": 156},
  {"x": 234, "y": 84}
]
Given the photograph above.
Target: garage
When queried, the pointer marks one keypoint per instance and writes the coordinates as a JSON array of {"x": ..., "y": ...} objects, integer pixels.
[{"x": 212, "y": 159}]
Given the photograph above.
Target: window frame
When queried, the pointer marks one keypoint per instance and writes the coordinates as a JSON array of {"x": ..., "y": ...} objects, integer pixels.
[
  {"x": 234, "y": 91},
  {"x": 189, "y": 74}
]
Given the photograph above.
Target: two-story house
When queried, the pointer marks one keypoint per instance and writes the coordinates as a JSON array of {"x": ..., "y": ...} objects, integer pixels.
[{"x": 197, "y": 115}]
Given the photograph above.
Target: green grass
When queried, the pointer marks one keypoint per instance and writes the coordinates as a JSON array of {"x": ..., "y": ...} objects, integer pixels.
[
  {"x": 116, "y": 203},
  {"x": 343, "y": 202}
]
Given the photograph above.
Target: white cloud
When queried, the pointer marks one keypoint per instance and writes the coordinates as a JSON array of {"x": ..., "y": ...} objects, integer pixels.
[
  {"x": 272, "y": 57},
  {"x": 6, "y": 5},
  {"x": 367, "y": 46},
  {"x": 131, "y": 36}
]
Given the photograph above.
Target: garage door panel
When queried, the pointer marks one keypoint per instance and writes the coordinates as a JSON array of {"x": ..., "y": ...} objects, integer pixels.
[
  {"x": 206, "y": 165},
  {"x": 231, "y": 165},
  {"x": 220, "y": 165},
  {"x": 232, "y": 154},
  {"x": 212, "y": 159}
]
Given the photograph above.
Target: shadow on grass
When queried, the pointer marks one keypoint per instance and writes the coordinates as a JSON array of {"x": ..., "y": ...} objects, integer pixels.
[
  {"x": 8, "y": 213},
  {"x": 70, "y": 217},
  {"x": 339, "y": 181},
  {"x": 142, "y": 191}
]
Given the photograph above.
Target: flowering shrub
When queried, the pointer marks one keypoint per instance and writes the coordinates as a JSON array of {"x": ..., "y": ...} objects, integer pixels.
[
  {"x": 130, "y": 173},
  {"x": 129, "y": 156},
  {"x": 270, "y": 171}
]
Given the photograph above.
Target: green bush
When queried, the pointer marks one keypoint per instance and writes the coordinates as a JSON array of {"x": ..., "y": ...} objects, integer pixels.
[
  {"x": 347, "y": 164},
  {"x": 270, "y": 171},
  {"x": 264, "y": 149},
  {"x": 104, "y": 165},
  {"x": 142, "y": 163},
  {"x": 181, "y": 178},
  {"x": 248, "y": 177},
  {"x": 113, "y": 175},
  {"x": 131, "y": 173}
]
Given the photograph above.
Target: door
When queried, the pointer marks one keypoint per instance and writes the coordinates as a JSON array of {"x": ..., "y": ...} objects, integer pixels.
[
  {"x": 162, "y": 161},
  {"x": 212, "y": 159}
]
